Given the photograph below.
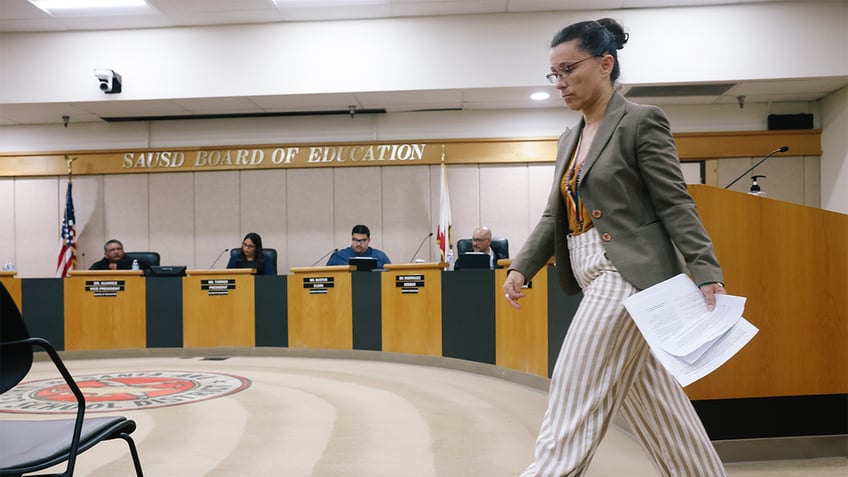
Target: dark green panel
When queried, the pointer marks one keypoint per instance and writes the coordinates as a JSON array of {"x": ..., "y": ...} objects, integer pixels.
[
  {"x": 367, "y": 310},
  {"x": 468, "y": 315},
  {"x": 43, "y": 309},
  {"x": 272, "y": 314},
  {"x": 779, "y": 416},
  {"x": 164, "y": 302}
]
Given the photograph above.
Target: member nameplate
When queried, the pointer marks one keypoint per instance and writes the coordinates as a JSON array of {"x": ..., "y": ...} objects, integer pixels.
[
  {"x": 318, "y": 285},
  {"x": 105, "y": 287},
  {"x": 409, "y": 283},
  {"x": 218, "y": 286}
]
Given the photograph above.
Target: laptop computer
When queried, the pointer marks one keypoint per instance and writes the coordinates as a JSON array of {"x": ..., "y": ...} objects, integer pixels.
[
  {"x": 363, "y": 264},
  {"x": 472, "y": 260}
]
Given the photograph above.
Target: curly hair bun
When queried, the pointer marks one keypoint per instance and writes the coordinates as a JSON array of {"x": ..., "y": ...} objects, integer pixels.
[{"x": 617, "y": 31}]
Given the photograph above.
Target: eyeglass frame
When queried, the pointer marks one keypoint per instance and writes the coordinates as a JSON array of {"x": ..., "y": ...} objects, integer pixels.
[{"x": 565, "y": 71}]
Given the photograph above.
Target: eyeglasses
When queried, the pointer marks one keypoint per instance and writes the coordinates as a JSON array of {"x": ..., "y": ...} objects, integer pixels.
[
  {"x": 359, "y": 240},
  {"x": 479, "y": 239},
  {"x": 564, "y": 71},
  {"x": 248, "y": 245}
]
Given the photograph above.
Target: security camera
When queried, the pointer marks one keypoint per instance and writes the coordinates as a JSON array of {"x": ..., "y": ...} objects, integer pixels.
[{"x": 110, "y": 82}]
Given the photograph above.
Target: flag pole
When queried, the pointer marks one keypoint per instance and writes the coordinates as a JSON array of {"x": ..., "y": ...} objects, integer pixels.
[{"x": 70, "y": 162}]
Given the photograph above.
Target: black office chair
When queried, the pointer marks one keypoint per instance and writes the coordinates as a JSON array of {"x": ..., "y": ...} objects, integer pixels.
[
  {"x": 146, "y": 259},
  {"x": 269, "y": 253},
  {"x": 31, "y": 446},
  {"x": 499, "y": 245}
]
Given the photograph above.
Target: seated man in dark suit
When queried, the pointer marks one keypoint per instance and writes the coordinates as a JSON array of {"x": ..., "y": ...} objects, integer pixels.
[
  {"x": 360, "y": 238},
  {"x": 481, "y": 241},
  {"x": 115, "y": 259}
]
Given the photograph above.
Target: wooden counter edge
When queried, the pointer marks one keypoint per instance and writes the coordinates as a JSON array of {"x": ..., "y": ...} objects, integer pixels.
[
  {"x": 106, "y": 273},
  {"x": 414, "y": 266},
  {"x": 225, "y": 271},
  {"x": 331, "y": 268}
]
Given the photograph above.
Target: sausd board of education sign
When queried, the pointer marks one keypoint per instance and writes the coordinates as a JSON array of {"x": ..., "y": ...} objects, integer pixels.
[
  {"x": 278, "y": 156},
  {"x": 260, "y": 157}
]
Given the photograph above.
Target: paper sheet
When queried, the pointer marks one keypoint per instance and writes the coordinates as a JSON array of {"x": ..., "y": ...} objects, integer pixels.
[{"x": 688, "y": 339}]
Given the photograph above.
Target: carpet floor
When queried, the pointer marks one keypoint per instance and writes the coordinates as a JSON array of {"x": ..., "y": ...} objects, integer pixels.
[{"x": 302, "y": 417}]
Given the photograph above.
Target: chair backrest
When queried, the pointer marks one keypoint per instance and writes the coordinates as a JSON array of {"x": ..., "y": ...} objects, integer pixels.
[
  {"x": 149, "y": 259},
  {"x": 15, "y": 360},
  {"x": 270, "y": 255},
  {"x": 499, "y": 245}
]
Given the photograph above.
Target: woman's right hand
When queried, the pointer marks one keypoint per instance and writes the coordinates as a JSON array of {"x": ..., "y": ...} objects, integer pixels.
[{"x": 512, "y": 288}]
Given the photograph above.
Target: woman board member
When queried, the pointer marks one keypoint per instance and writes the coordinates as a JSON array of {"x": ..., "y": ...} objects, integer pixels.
[
  {"x": 251, "y": 256},
  {"x": 617, "y": 209}
]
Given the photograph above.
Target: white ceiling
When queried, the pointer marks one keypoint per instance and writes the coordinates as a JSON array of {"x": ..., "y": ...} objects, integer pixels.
[{"x": 22, "y": 16}]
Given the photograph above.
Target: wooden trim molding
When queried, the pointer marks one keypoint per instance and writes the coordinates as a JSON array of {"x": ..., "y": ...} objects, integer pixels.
[{"x": 691, "y": 147}]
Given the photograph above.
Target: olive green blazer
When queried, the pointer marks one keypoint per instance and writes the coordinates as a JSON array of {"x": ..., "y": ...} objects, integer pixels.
[{"x": 632, "y": 186}]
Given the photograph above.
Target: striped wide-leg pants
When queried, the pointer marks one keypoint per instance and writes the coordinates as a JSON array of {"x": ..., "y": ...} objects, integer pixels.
[{"x": 604, "y": 367}]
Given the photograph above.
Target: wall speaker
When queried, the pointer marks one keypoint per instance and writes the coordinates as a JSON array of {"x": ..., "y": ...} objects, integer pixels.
[{"x": 790, "y": 121}]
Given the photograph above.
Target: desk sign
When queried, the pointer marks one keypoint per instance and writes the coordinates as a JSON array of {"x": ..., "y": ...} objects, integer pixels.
[
  {"x": 218, "y": 286},
  {"x": 409, "y": 283},
  {"x": 318, "y": 285},
  {"x": 104, "y": 287}
]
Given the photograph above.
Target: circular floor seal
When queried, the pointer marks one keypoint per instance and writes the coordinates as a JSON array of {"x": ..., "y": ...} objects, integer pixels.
[{"x": 121, "y": 391}]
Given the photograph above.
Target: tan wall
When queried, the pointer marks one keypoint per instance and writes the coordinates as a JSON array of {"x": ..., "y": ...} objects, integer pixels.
[{"x": 190, "y": 217}]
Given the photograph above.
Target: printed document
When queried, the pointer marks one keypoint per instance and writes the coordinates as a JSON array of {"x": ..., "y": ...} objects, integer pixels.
[{"x": 689, "y": 340}]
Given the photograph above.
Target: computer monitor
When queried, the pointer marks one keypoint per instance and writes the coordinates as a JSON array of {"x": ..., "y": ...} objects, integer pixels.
[
  {"x": 473, "y": 260},
  {"x": 363, "y": 264},
  {"x": 166, "y": 271}
]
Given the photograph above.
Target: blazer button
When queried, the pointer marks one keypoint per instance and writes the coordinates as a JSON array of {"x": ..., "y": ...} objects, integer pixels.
[
  {"x": 596, "y": 214},
  {"x": 606, "y": 237}
]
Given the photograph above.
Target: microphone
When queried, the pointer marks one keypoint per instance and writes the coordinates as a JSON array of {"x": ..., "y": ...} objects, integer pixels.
[
  {"x": 780, "y": 149},
  {"x": 419, "y": 247},
  {"x": 219, "y": 257},
  {"x": 324, "y": 256}
]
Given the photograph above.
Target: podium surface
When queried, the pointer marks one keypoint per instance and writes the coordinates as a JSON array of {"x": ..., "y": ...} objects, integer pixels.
[
  {"x": 105, "y": 309},
  {"x": 218, "y": 308},
  {"x": 320, "y": 307},
  {"x": 412, "y": 308}
]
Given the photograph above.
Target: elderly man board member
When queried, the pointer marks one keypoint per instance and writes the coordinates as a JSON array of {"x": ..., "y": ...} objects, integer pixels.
[
  {"x": 115, "y": 259},
  {"x": 481, "y": 241},
  {"x": 360, "y": 238}
]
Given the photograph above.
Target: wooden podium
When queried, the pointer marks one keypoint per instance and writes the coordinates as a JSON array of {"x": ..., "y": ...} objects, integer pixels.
[
  {"x": 791, "y": 262},
  {"x": 218, "y": 308},
  {"x": 521, "y": 336},
  {"x": 320, "y": 307},
  {"x": 105, "y": 309},
  {"x": 412, "y": 308},
  {"x": 13, "y": 285}
]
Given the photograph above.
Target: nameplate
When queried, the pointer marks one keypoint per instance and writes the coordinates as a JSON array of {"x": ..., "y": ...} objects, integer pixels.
[
  {"x": 318, "y": 285},
  {"x": 218, "y": 286},
  {"x": 409, "y": 284},
  {"x": 104, "y": 287}
]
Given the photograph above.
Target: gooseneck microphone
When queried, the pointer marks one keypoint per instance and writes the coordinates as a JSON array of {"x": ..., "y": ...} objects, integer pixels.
[
  {"x": 419, "y": 247},
  {"x": 780, "y": 149},
  {"x": 316, "y": 262},
  {"x": 219, "y": 257}
]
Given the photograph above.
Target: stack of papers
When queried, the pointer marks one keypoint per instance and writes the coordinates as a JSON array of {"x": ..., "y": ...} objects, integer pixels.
[{"x": 686, "y": 337}]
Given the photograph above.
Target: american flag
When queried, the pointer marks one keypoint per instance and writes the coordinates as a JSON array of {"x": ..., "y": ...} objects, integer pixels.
[{"x": 68, "y": 248}]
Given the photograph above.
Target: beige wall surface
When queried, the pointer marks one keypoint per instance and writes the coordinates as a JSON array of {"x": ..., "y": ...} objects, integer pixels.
[{"x": 190, "y": 218}]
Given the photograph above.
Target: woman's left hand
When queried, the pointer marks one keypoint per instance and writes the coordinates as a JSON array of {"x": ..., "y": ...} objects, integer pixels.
[{"x": 709, "y": 290}]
